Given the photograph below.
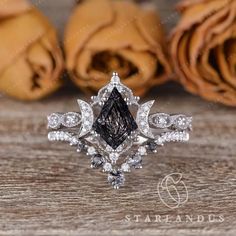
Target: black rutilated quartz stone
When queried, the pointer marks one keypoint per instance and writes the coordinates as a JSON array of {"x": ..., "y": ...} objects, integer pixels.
[
  {"x": 97, "y": 161},
  {"x": 115, "y": 122},
  {"x": 152, "y": 146}
]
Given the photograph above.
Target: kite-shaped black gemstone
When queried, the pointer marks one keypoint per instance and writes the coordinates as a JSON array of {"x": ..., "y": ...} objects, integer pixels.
[{"x": 115, "y": 122}]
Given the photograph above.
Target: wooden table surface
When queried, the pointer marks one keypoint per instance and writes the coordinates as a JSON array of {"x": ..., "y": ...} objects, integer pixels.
[{"x": 48, "y": 189}]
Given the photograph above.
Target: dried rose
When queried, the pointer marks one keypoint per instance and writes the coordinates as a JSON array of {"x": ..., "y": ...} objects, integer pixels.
[
  {"x": 105, "y": 36},
  {"x": 203, "y": 48},
  {"x": 31, "y": 60}
]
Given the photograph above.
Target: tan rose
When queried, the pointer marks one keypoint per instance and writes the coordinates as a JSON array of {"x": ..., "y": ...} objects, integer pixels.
[
  {"x": 31, "y": 60},
  {"x": 105, "y": 36},
  {"x": 203, "y": 48}
]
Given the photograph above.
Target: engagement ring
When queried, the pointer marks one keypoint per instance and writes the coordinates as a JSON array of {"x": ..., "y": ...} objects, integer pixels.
[{"x": 116, "y": 131}]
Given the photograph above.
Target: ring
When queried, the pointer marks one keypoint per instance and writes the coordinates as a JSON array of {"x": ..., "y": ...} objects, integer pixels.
[{"x": 116, "y": 131}]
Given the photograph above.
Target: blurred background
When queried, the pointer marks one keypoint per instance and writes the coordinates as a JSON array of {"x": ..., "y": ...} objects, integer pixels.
[{"x": 59, "y": 11}]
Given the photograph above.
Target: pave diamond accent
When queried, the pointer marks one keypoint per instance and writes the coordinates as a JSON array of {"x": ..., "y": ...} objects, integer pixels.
[
  {"x": 142, "y": 151},
  {"x": 91, "y": 151},
  {"x": 125, "y": 167},
  {"x": 63, "y": 136},
  {"x": 107, "y": 167},
  {"x": 114, "y": 157},
  {"x": 54, "y": 121},
  {"x": 174, "y": 136},
  {"x": 86, "y": 117},
  {"x": 182, "y": 122},
  {"x": 160, "y": 120},
  {"x": 115, "y": 122},
  {"x": 70, "y": 119},
  {"x": 142, "y": 119}
]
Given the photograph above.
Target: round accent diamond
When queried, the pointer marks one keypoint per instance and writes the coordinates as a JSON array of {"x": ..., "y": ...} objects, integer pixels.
[
  {"x": 142, "y": 119},
  {"x": 182, "y": 122},
  {"x": 70, "y": 119},
  {"x": 54, "y": 121},
  {"x": 74, "y": 141},
  {"x": 185, "y": 137},
  {"x": 160, "y": 120},
  {"x": 143, "y": 115},
  {"x": 116, "y": 178},
  {"x": 115, "y": 78},
  {"x": 107, "y": 167},
  {"x": 114, "y": 157},
  {"x": 91, "y": 151},
  {"x": 86, "y": 114},
  {"x": 143, "y": 123},
  {"x": 142, "y": 151},
  {"x": 125, "y": 167}
]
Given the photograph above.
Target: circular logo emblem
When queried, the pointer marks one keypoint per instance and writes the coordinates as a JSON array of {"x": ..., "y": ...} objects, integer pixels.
[{"x": 172, "y": 190}]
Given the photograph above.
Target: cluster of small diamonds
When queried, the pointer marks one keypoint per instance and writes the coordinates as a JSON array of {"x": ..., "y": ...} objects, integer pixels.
[
  {"x": 116, "y": 176},
  {"x": 115, "y": 82},
  {"x": 86, "y": 117},
  {"x": 69, "y": 119},
  {"x": 98, "y": 160},
  {"x": 162, "y": 120},
  {"x": 142, "y": 119},
  {"x": 173, "y": 136},
  {"x": 63, "y": 136},
  {"x": 135, "y": 160}
]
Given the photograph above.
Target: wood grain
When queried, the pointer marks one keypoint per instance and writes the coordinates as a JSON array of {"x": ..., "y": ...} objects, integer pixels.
[{"x": 48, "y": 189}]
